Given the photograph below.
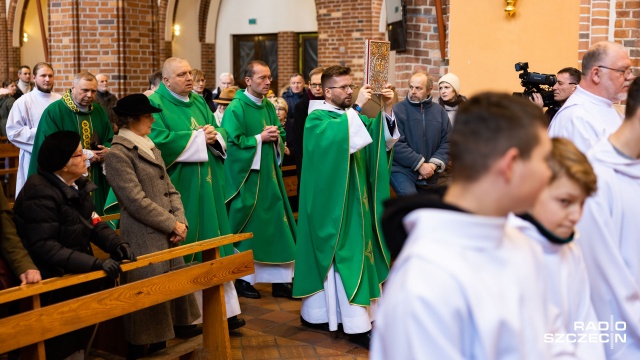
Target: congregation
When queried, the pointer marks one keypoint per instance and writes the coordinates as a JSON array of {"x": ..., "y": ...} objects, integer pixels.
[{"x": 427, "y": 228}]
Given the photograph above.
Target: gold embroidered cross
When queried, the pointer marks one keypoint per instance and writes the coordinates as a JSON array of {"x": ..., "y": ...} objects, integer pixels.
[
  {"x": 194, "y": 124},
  {"x": 369, "y": 253}
]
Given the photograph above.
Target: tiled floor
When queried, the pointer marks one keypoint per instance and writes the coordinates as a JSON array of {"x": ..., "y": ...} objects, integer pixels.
[{"x": 273, "y": 331}]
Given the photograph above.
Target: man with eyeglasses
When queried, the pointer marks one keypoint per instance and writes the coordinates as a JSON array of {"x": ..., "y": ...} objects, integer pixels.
[
  {"x": 341, "y": 258},
  {"x": 423, "y": 149},
  {"x": 314, "y": 96},
  {"x": 589, "y": 115},
  {"x": 256, "y": 197}
]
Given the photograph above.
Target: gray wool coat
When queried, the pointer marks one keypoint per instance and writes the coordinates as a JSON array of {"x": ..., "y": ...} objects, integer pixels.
[{"x": 150, "y": 207}]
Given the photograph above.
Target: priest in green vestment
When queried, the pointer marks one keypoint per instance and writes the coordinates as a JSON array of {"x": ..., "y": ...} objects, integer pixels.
[
  {"x": 77, "y": 112},
  {"x": 341, "y": 257},
  {"x": 193, "y": 149},
  {"x": 256, "y": 196}
]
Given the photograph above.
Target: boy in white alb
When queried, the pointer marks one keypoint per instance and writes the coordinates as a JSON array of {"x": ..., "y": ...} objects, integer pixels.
[
  {"x": 610, "y": 232},
  {"x": 550, "y": 224},
  {"x": 466, "y": 286}
]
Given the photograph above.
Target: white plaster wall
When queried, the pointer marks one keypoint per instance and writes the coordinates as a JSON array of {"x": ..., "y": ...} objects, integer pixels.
[
  {"x": 187, "y": 44},
  {"x": 33, "y": 50},
  {"x": 272, "y": 16}
]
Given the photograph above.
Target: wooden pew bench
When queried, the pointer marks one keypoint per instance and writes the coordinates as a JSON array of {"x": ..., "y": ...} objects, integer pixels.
[{"x": 29, "y": 329}]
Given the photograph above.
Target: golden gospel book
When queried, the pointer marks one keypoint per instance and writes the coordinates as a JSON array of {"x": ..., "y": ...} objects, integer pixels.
[{"x": 376, "y": 64}]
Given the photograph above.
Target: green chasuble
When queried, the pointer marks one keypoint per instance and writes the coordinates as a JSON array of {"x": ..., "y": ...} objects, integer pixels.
[
  {"x": 93, "y": 127},
  {"x": 200, "y": 184},
  {"x": 341, "y": 197},
  {"x": 257, "y": 199}
]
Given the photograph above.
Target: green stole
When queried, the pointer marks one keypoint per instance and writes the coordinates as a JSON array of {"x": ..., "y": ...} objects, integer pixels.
[
  {"x": 341, "y": 198},
  {"x": 257, "y": 199},
  {"x": 200, "y": 184},
  {"x": 92, "y": 125}
]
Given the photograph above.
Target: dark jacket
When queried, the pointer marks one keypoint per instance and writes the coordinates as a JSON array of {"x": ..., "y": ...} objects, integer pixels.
[
  {"x": 424, "y": 133},
  {"x": 107, "y": 100},
  {"x": 292, "y": 99},
  {"x": 6, "y": 103},
  {"x": 299, "y": 120},
  {"x": 209, "y": 97},
  {"x": 54, "y": 222},
  {"x": 11, "y": 248}
]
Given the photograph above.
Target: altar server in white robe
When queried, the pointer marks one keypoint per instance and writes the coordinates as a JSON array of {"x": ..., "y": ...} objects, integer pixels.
[
  {"x": 610, "y": 231},
  {"x": 25, "y": 115},
  {"x": 466, "y": 286},
  {"x": 551, "y": 224},
  {"x": 588, "y": 115}
]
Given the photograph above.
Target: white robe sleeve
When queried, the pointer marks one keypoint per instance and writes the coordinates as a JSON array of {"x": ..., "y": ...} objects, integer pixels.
[
  {"x": 258, "y": 156},
  {"x": 196, "y": 150},
  {"x": 575, "y": 127},
  {"x": 19, "y": 130},
  {"x": 388, "y": 137},
  {"x": 358, "y": 135}
]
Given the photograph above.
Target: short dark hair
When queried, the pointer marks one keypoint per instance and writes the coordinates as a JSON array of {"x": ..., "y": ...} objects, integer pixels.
[
  {"x": 574, "y": 74},
  {"x": 487, "y": 126},
  {"x": 23, "y": 67},
  {"x": 155, "y": 79},
  {"x": 333, "y": 71},
  {"x": 248, "y": 70},
  {"x": 633, "y": 99},
  {"x": 6, "y": 83},
  {"x": 41, "y": 65}
]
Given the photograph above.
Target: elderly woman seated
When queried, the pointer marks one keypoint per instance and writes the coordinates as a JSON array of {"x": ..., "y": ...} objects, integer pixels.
[
  {"x": 152, "y": 219},
  {"x": 56, "y": 221}
]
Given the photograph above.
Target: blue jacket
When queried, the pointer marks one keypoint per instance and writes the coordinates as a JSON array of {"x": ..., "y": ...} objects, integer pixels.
[{"x": 424, "y": 134}]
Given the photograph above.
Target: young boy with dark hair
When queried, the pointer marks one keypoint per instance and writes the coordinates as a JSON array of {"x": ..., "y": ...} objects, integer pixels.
[
  {"x": 551, "y": 224},
  {"x": 466, "y": 286}
]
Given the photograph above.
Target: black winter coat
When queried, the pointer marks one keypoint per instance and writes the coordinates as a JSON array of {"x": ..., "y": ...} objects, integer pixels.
[{"x": 54, "y": 222}]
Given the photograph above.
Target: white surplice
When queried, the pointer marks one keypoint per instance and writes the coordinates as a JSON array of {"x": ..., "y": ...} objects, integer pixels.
[
  {"x": 610, "y": 241},
  {"x": 22, "y": 125},
  {"x": 465, "y": 287},
  {"x": 568, "y": 287},
  {"x": 585, "y": 119}
]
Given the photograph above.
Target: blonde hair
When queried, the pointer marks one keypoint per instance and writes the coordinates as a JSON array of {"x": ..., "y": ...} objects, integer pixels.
[
  {"x": 280, "y": 102},
  {"x": 567, "y": 160}
]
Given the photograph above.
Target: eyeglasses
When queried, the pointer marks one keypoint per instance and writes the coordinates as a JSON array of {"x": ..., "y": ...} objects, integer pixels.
[
  {"x": 625, "y": 72},
  {"x": 264, "y": 77},
  {"x": 314, "y": 85},
  {"x": 343, "y": 87}
]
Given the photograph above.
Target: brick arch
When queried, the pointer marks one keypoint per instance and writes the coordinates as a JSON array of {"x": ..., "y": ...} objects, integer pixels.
[
  {"x": 164, "y": 48},
  {"x": 12, "y": 61}
]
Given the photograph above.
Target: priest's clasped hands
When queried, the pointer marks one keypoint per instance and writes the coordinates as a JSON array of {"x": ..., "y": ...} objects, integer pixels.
[
  {"x": 270, "y": 133},
  {"x": 210, "y": 133}
]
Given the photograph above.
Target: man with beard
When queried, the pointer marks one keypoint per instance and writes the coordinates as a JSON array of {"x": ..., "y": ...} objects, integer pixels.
[
  {"x": 589, "y": 115},
  {"x": 256, "y": 197},
  {"x": 423, "y": 149},
  {"x": 341, "y": 258},
  {"x": 301, "y": 110},
  {"x": 77, "y": 112},
  {"x": 25, "y": 116}
]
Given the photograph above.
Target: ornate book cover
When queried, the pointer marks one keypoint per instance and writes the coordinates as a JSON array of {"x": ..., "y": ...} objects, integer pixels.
[{"x": 376, "y": 64}]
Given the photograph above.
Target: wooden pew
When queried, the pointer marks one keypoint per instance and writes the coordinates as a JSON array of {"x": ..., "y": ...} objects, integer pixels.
[
  {"x": 290, "y": 180},
  {"x": 9, "y": 155},
  {"x": 30, "y": 328}
]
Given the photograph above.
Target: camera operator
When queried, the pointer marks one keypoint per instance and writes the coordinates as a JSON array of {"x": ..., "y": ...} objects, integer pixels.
[{"x": 567, "y": 82}]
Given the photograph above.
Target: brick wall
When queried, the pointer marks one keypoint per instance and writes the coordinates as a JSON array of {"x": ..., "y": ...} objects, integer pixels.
[
  {"x": 13, "y": 54},
  {"x": 165, "y": 48},
  {"x": 287, "y": 57},
  {"x": 209, "y": 64},
  {"x": 423, "y": 45},
  {"x": 4, "y": 65},
  {"x": 343, "y": 26}
]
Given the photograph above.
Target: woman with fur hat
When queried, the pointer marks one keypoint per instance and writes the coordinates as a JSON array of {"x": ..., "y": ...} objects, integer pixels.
[
  {"x": 450, "y": 98},
  {"x": 56, "y": 220}
]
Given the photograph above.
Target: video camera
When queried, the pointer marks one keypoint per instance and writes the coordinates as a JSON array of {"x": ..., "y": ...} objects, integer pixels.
[{"x": 533, "y": 82}]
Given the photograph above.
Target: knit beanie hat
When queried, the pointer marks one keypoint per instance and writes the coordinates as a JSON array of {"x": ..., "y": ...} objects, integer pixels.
[
  {"x": 56, "y": 150},
  {"x": 451, "y": 79}
]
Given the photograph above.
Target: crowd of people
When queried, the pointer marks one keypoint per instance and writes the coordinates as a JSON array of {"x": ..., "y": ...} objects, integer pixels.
[{"x": 478, "y": 251}]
